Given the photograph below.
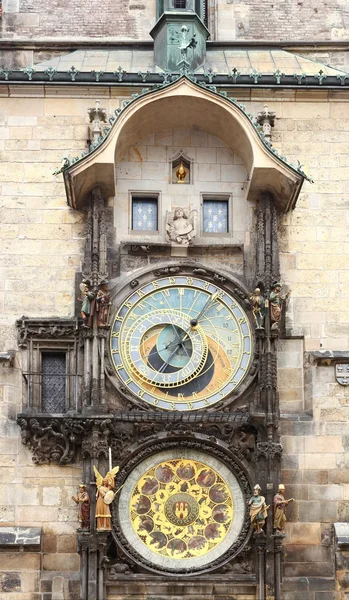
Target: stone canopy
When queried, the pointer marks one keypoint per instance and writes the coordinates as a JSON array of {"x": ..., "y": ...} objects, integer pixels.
[{"x": 183, "y": 103}]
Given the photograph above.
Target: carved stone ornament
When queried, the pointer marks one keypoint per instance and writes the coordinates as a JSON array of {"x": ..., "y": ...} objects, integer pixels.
[
  {"x": 342, "y": 374},
  {"x": 44, "y": 328},
  {"x": 269, "y": 449},
  {"x": 181, "y": 226},
  {"x": 56, "y": 439}
]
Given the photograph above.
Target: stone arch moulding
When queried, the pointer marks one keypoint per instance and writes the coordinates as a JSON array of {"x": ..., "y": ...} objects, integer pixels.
[{"x": 185, "y": 103}]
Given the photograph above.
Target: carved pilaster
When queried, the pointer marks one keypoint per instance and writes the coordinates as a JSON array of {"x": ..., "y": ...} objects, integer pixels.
[{"x": 267, "y": 251}]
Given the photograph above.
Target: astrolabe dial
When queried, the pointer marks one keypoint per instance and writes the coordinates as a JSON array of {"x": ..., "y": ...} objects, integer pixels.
[
  {"x": 181, "y": 343},
  {"x": 181, "y": 509}
]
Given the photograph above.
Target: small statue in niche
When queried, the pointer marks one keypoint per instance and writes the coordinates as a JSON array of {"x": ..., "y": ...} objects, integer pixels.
[
  {"x": 258, "y": 308},
  {"x": 103, "y": 304},
  {"x": 86, "y": 297},
  {"x": 276, "y": 302},
  {"x": 181, "y": 226},
  {"x": 105, "y": 496},
  {"x": 280, "y": 504},
  {"x": 258, "y": 509},
  {"x": 82, "y": 499},
  {"x": 181, "y": 173}
]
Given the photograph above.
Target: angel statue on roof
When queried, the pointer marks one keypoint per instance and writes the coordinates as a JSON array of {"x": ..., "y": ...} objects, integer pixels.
[
  {"x": 181, "y": 225},
  {"x": 105, "y": 496}
]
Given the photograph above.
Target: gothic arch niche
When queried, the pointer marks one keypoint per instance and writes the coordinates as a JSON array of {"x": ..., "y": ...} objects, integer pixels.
[{"x": 181, "y": 169}]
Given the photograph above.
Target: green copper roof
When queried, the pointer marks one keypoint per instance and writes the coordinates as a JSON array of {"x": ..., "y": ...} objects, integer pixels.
[{"x": 220, "y": 61}]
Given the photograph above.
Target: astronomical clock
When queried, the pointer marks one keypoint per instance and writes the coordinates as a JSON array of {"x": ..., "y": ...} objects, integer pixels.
[
  {"x": 182, "y": 349},
  {"x": 181, "y": 343}
]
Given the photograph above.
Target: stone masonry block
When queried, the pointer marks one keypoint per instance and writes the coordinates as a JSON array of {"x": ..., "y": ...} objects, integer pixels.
[
  {"x": 323, "y": 443},
  {"x": 22, "y": 561},
  {"x": 304, "y": 533},
  {"x": 317, "y": 461},
  {"x": 61, "y": 562},
  {"x": 318, "y": 512}
]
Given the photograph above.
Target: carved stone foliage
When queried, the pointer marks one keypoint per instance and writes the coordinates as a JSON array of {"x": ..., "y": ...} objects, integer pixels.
[
  {"x": 195, "y": 445},
  {"x": 56, "y": 439},
  {"x": 269, "y": 450},
  {"x": 267, "y": 244},
  {"x": 50, "y": 439},
  {"x": 53, "y": 329}
]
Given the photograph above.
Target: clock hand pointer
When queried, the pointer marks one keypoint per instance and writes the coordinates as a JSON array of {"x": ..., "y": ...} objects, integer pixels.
[{"x": 193, "y": 323}]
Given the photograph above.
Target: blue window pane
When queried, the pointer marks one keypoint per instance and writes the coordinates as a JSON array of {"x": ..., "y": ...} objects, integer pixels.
[
  {"x": 144, "y": 214},
  {"x": 215, "y": 216}
]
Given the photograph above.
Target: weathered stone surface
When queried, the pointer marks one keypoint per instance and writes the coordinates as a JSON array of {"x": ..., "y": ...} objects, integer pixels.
[
  {"x": 20, "y": 562},
  {"x": 20, "y": 536},
  {"x": 10, "y": 582},
  {"x": 61, "y": 562}
]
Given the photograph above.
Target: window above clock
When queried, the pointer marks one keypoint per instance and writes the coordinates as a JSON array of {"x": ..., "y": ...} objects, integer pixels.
[
  {"x": 144, "y": 212},
  {"x": 215, "y": 215}
]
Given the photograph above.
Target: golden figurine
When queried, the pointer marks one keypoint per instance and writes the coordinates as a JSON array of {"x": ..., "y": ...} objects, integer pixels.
[
  {"x": 82, "y": 499},
  {"x": 280, "y": 504},
  {"x": 105, "y": 496},
  {"x": 258, "y": 509},
  {"x": 181, "y": 173}
]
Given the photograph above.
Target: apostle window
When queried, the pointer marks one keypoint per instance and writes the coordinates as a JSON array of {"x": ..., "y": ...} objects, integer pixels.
[
  {"x": 144, "y": 213},
  {"x": 215, "y": 215}
]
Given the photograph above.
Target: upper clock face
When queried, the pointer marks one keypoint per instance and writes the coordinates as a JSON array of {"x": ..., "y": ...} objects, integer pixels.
[{"x": 181, "y": 343}]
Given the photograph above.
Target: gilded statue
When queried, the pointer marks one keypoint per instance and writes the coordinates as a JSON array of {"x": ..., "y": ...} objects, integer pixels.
[
  {"x": 181, "y": 226},
  {"x": 258, "y": 509},
  {"x": 82, "y": 499},
  {"x": 105, "y": 496},
  {"x": 280, "y": 504},
  {"x": 181, "y": 173},
  {"x": 276, "y": 302},
  {"x": 258, "y": 307}
]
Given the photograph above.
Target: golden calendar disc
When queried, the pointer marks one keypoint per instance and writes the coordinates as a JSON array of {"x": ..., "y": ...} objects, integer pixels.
[{"x": 181, "y": 508}]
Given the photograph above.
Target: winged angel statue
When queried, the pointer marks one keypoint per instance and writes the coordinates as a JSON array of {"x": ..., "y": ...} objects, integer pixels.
[
  {"x": 105, "y": 496},
  {"x": 181, "y": 225}
]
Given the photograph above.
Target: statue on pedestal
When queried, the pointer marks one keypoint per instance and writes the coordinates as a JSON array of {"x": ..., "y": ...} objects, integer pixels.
[
  {"x": 105, "y": 496},
  {"x": 276, "y": 301},
  {"x": 258, "y": 308},
  {"x": 82, "y": 499},
  {"x": 280, "y": 504},
  {"x": 258, "y": 509},
  {"x": 86, "y": 297},
  {"x": 103, "y": 304}
]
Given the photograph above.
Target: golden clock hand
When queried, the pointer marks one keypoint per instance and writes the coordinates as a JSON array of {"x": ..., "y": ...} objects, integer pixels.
[
  {"x": 193, "y": 324},
  {"x": 209, "y": 301}
]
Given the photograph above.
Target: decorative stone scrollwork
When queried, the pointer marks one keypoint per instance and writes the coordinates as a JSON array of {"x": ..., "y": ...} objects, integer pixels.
[
  {"x": 269, "y": 449},
  {"x": 56, "y": 439},
  {"x": 44, "y": 328},
  {"x": 52, "y": 440}
]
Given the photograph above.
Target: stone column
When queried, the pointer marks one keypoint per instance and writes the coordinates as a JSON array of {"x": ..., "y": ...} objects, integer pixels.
[{"x": 261, "y": 546}]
